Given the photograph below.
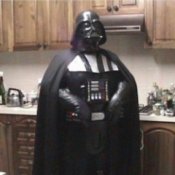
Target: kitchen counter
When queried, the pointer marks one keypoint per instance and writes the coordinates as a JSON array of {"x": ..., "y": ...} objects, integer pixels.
[
  {"x": 157, "y": 118},
  {"x": 33, "y": 110},
  {"x": 18, "y": 110}
]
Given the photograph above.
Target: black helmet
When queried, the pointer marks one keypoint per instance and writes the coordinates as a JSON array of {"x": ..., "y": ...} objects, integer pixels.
[{"x": 89, "y": 31}]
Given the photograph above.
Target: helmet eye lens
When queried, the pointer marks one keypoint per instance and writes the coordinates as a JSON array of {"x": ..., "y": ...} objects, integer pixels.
[
  {"x": 86, "y": 26},
  {"x": 97, "y": 27}
]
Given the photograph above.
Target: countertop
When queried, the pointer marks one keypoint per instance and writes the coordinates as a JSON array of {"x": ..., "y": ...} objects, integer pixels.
[
  {"x": 33, "y": 110},
  {"x": 157, "y": 118},
  {"x": 18, "y": 110}
]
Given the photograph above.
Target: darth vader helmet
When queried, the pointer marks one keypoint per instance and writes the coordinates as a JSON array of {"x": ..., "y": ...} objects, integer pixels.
[{"x": 89, "y": 32}]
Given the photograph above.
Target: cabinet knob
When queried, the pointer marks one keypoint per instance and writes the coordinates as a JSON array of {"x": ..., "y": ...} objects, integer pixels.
[
  {"x": 116, "y": 8},
  {"x": 39, "y": 45},
  {"x": 28, "y": 121},
  {"x": 8, "y": 124},
  {"x": 149, "y": 42},
  {"x": 45, "y": 46},
  {"x": 109, "y": 8}
]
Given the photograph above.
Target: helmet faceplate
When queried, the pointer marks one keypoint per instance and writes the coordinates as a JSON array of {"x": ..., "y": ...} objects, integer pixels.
[{"x": 89, "y": 32}]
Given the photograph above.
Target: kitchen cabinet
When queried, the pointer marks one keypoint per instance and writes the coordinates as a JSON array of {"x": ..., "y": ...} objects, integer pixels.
[
  {"x": 117, "y": 7},
  {"x": 160, "y": 23},
  {"x": 17, "y": 133},
  {"x": 38, "y": 25},
  {"x": 42, "y": 24},
  {"x": 1, "y": 21},
  {"x": 28, "y": 29},
  {"x": 5, "y": 25},
  {"x": 158, "y": 154},
  {"x": 60, "y": 25},
  {"x": 23, "y": 137},
  {"x": 79, "y": 6},
  {"x": 45, "y": 24},
  {"x": 4, "y": 154}
]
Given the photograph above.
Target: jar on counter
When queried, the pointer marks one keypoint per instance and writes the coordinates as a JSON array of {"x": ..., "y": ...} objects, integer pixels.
[
  {"x": 158, "y": 109},
  {"x": 151, "y": 99}
]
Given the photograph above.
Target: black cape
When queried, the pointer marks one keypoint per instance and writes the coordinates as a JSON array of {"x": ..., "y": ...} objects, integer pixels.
[{"x": 125, "y": 156}]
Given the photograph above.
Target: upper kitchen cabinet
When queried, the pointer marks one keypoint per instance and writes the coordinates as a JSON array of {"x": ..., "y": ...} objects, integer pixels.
[
  {"x": 160, "y": 23},
  {"x": 5, "y": 25},
  {"x": 79, "y": 6},
  {"x": 57, "y": 23},
  {"x": 27, "y": 24},
  {"x": 61, "y": 19},
  {"x": 42, "y": 24},
  {"x": 108, "y": 7},
  {"x": 1, "y": 31}
]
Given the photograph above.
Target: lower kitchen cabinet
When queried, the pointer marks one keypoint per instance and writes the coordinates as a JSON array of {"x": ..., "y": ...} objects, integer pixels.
[
  {"x": 17, "y": 135},
  {"x": 158, "y": 154},
  {"x": 4, "y": 151}
]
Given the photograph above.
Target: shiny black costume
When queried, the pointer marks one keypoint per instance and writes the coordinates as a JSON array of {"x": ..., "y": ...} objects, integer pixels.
[{"x": 88, "y": 121}]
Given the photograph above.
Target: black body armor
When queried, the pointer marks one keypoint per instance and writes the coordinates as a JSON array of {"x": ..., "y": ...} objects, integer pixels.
[
  {"x": 93, "y": 91},
  {"x": 96, "y": 89}
]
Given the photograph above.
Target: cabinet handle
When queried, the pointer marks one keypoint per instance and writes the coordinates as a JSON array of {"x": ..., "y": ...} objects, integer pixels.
[
  {"x": 116, "y": 8},
  {"x": 109, "y": 8},
  {"x": 149, "y": 42},
  {"x": 29, "y": 121},
  {"x": 8, "y": 123},
  {"x": 39, "y": 45},
  {"x": 45, "y": 46},
  {"x": 141, "y": 139}
]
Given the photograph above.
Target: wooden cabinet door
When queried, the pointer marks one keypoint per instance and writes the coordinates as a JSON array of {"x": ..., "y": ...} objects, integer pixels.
[
  {"x": 128, "y": 6},
  {"x": 160, "y": 23},
  {"x": 58, "y": 23},
  {"x": 158, "y": 156},
  {"x": 78, "y": 7},
  {"x": 102, "y": 7},
  {"x": 112, "y": 7},
  {"x": 5, "y": 26},
  {"x": 81, "y": 5},
  {"x": 27, "y": 21},
  {"x": 45, "y": 24},
  {"x": 23, "y": 135},
  {"x": 42, "y": 24},
  {"x": 1, "y": 24},
  {"x": 4, "y": 146}
]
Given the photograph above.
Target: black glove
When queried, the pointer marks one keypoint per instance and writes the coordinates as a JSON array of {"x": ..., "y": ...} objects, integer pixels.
[
  {"x": 76, "y": 109},
  {"x": 115, "y": 107}
]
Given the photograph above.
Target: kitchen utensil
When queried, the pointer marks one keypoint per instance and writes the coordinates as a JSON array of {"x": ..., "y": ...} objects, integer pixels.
[{"x": 14, "y": 97}]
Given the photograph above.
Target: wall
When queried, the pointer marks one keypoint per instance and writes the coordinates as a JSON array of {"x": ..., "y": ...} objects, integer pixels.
[
  {"x": 147, "y": 65},
  {"x": 23, "y": 69}
]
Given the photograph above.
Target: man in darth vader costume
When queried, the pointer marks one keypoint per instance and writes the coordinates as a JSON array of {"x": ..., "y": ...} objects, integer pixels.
[{"x": 88, "y": 121}]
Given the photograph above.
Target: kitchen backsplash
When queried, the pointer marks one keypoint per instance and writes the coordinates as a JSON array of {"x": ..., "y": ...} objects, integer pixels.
[{"x": 23, "y": 69}]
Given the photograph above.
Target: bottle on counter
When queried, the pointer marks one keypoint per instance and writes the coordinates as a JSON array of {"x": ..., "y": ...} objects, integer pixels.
[
  {"x": 172, "y": 90},
  {"x": 2, "y": 90},
  {"x": 157, "y": 92}
]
